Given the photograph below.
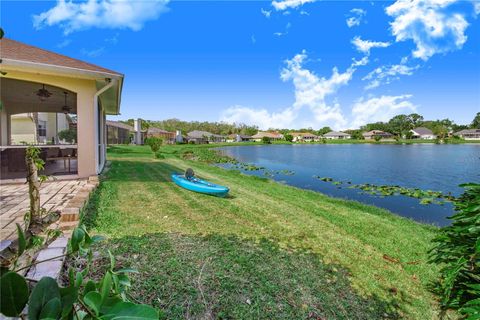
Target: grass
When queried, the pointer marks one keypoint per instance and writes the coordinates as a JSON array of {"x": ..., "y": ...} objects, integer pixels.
[{"x": 268, "y": 251}]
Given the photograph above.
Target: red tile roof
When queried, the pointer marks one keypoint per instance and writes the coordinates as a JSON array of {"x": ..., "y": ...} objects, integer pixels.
[{"x": 14, "y": 50}]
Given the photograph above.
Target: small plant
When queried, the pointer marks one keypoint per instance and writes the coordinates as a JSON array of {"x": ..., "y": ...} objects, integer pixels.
[
  {"x": 81, "y": 299},
  {"x": 266, "y": 140},
  {"x": 377, "y": 138},
  {"x": 69, "y": 135},
  {"x": 288, "y": 137},
  {"x": 159, "y": 155},
  {"x": 155, "y": 143},
  {"x": 457, "y": 250}
]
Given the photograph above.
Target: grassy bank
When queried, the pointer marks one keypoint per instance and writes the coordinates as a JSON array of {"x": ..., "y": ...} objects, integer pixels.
[{"x": 268, "y": 251}]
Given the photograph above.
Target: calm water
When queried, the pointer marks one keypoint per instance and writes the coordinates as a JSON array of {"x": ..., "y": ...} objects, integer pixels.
[{"x": 424, "y": 166}]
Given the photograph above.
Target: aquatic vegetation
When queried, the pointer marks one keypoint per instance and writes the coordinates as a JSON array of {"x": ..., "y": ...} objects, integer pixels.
[{"x": 426, "y": 196}]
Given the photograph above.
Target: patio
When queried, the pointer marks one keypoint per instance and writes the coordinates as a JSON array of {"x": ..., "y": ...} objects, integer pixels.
[{"x": 67, "y": 196}]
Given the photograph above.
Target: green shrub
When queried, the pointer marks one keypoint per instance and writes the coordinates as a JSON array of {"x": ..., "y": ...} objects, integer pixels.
[
  {"x": 377, "y": 138},
  {"x": 69, "y": 135},
  {"x": 266, "y": 140},
  {"x": 159, "y": 155},
  {"x": 457, "y": 250},
  {"x": 288, "y": 137},
  {"x": 154, "y": 143}
]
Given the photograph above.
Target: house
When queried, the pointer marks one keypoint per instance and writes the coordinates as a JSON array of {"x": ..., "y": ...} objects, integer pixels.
[
  {"x": 371, "y": 135},
  {"x": 51, "y": 90},
  {"x": 119, "y": 132},
  {"x": 166, "y": 136},
  {"x": 304, "y": 137},
  {"x": 336, "y": 135},
  {"x": 468, "y": 134},
  {"x": 273, "y": 136},
  {"x": 422, "y": 133},
  {"x": 38, "y": 127},
  {"x": 238, "y": 138},
  {"x": 198, "y": 136}
]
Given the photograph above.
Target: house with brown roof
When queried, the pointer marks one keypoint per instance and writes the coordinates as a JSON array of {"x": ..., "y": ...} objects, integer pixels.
[
  {"x": 119, "y": 132},
  {"x": 166, "y": 136},
  {"x": 273, "y": 136},
  {"x": 468, "y": 134},
  {"x": 48, "y": 87},
  {"x": 377, "y": 134},
  {"x": 304, "y": 137}
]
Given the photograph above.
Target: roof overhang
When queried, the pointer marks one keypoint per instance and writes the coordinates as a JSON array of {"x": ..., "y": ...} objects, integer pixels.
[{"x": 111, "y": 98}]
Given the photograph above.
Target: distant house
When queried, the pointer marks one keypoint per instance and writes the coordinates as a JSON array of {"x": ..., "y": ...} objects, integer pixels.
[
  {"x": 274, "y": 136},
  {"x": 238, "y": 138},
  {"x": 468, "y": 134},
  {"x": 422, "y": 133},
  {"x": 304, "y": 137},
  {"x": 118, "y": 132},
  {"x": 371, "y": 135},
  {"x": 198, "y": 136},
  {"x": 336, "y": 135},
  {"x": 167, "y": 136}
]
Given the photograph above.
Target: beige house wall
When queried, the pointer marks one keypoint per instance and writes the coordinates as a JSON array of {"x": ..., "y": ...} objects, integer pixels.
[{"x": 85, "y": 90}]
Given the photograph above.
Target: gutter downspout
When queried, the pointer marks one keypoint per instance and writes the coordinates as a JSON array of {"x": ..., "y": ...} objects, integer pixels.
[{"x": 111, "y": 83}]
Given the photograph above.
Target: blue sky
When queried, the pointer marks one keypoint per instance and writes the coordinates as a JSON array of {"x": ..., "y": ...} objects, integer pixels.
[{"x": 286, "y": 63}]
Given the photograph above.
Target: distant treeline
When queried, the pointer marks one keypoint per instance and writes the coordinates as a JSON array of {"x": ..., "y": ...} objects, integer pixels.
[
  {"x": 399, "y": 125},
  {"x": 221, "y": 128}
]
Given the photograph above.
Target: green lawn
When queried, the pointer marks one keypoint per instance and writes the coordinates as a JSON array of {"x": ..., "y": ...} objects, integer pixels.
[{"x": 268, "y": 251}]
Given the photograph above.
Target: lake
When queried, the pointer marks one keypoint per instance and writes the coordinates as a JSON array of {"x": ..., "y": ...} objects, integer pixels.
[{"x": 423, "y": 166}]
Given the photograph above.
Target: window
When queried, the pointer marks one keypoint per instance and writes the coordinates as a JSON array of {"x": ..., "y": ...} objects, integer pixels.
[{"x": 42, "y": 128}]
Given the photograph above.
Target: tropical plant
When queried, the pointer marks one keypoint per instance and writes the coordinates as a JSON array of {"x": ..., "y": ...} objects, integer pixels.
[
  {"x": 69, "y": 135},
  {"x": 83, "y": 298},
  {"x": 377, "y": 138},
  {"x": 457, "y": 250},
  {"x": 288, "y": 137},
  {"x": 266, "y": 140}
]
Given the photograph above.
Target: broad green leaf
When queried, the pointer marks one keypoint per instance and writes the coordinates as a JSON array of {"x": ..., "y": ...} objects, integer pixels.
[
  {"x": 78, "y": 236},
  {"x": 13, "y": 293},
  {"x": 22, "y": 243},
  {"x": 78, "y": 279},
  {"x": 69, "y": 296},
  {"x": 51, "y": 310},
  {"x": 106, "y": 286},
  {"x": 112, "y": 260},
  {"x": 45, "y": 290},
  {"x": 93, "y": 300},
  {"x": 90, "y": 286},
  {"x": 2, "y": 33}
]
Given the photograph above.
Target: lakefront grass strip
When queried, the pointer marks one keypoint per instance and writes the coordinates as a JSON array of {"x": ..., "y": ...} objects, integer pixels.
[{"x": 268, "y": 251}]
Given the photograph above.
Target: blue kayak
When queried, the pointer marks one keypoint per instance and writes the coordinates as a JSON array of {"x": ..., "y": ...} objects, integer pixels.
[{"x": 199, "y": 185}]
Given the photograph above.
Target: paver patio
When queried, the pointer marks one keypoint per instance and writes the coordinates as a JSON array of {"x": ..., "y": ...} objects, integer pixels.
[{"x": 54, "y": 195}]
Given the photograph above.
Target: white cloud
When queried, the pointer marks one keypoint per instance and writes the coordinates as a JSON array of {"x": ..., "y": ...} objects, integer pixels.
[
  {"x": 430, "y": 24},
  {"x": 355, "y": 18},
  {"x": 280, "y": 34},
  {"x": 64, "y": 43},
  {"x": 311, "y": 92},
  {"x": 287, "y": 4},
  {"x": 72, "y": 16},
  {"x": 387, "y": 74},
  {"x": 365, "y": 46},
  {"x": 380, "y": 109},
  {"x": 93, "y": 52},
  {"x": 266, "y": 13},
  {"x": 476, "y": 7}
]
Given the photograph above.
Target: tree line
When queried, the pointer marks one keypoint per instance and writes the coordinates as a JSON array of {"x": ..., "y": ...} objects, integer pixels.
[
  {"x": 400, "y": 125},
  {"x": 221, "y": 128}
]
